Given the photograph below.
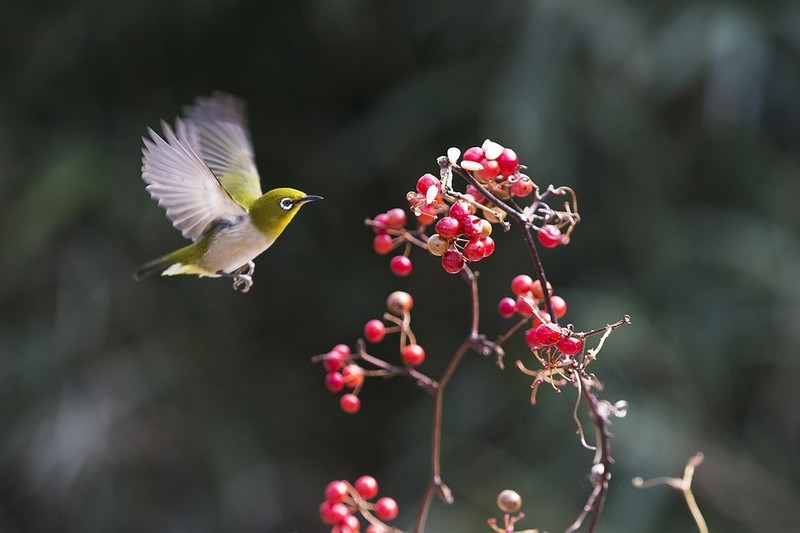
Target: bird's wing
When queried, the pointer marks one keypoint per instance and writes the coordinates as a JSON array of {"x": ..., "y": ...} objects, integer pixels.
[
  {"x": 223, "y": 141},
  {"x": 183, "y": 184}
]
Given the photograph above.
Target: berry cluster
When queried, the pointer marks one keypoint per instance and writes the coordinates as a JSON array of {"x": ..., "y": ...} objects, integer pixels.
[
  {"x": 399, "y": 304},
  {"x": 529, "y": 302},
  {"x": 497, "y": 168},
  {"x": 343, "y": 501},
  {"x": 343, "y": 373}
]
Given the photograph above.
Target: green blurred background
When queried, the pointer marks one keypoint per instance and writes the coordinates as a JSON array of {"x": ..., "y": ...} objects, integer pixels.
[{"x": 178, "y": 405}]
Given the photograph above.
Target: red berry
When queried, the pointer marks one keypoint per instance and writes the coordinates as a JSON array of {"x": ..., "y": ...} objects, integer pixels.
[
  {"x": 447, "y": 228},
  {"x": 548, "y": 334},
  {"x": 474, "y": 250},
  {"x": 521, "y": 284},
  {"x": 386, "y": 509},
  {"x": 524, "y": 306},
  {"x": 350, "y": 524},
  {"x": 367, "y": 487},
  {"x": 349, "y": 403},
  {"x": 382, "y": 244},
  {"x": 522, "y": 186},
  {"x": 508, "y": 161},
  {"x": 396, "y": 218},
  {"x": 460, "y": 210},
  {"x": 400, "y": 265},
  {"x": 536, "y": 289},
  {"x": 488, "y": 246},
  {"x": 332, "y": 513},
  {"x": 334, "y": 360},
  {"x": 425, "y": 182},
  {"x": 342, "y": 349},
  {"x": 334, "y": 381},
  {"x": 413, "y": 354},
  {"x": 507, "y": 307},
  {"x": 373, "y": 528},
  {"x": 550, "y": 236},
  {"x": 559, "y": 306},
  {"x": 530, "y": 338},
  {"x": 353, "y": 375},
  {"x": 381, "y": 223},
  {"x": 569, "y": 345},
  {"x": 472, "y": 226},
  {"x": 475, "y": 193},
  {"x": 336, "y": 491},
  {"x": 427, "y": 214},
  {"x": 540, "y": 318},
  {"x": 473, "y": 154},
  {"x": 452, "y": 261},
  {"x": 491, "y": 168},
  {"x": 374, "y": 331}
]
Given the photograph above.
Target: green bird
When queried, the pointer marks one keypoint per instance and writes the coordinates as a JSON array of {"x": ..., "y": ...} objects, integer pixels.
[{"x": 203, "y": 174}]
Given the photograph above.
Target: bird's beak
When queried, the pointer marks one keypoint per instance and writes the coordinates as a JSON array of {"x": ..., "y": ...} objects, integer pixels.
[{"x": 309, "y": 198}]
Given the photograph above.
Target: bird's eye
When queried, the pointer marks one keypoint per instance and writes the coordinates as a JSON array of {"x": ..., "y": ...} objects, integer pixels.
[{"x": 286, "y": 203}]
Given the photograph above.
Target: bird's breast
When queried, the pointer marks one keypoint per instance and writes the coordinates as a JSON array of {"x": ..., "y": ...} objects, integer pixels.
[{"x": 233, "y": 245}]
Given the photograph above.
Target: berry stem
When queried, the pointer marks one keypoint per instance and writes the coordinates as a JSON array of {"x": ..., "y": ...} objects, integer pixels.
[{"x": 390, "y": 370}]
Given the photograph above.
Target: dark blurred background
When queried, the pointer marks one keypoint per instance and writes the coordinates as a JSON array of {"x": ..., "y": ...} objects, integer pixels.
[{"x": 179, "y": 405}]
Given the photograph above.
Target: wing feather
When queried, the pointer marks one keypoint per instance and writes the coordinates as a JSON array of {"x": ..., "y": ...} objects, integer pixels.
[
  {"x": 223, "y": 141},
  {"x": 181, "y": 183}
]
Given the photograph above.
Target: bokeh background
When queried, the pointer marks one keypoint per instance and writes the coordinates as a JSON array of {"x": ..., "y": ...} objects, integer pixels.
[{"x": 179, "y": 405}]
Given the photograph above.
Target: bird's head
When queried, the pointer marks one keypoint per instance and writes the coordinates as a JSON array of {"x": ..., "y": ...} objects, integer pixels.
[{"x": 273, "y": 211}]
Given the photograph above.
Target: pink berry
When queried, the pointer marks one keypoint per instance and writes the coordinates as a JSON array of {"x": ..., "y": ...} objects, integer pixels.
[
  {"x": 507, "y": 307},
  {"x": 332, "y": 513},
  {"x": 523, "y": 186},
  {"x": 353, "y": 375},
  {"x": 475, "y": 193},
  {"x": 550, "y": 236},
  {"x": 474, "y": 250},
  {"x": 460, "y": 210},
  {"x": 448, "y": 228},
  {"x": 452, "y": 261},
  {"x": 400, "y": 265},
  {"x": 569, "y": 345},
  {"x": 386, "y": 509},
  {"x": 349, "y": 403},
  {"x": 425, "y": 182},
  {"x": 334, "y": 381},
  {"x": 382, "y": 244},
  {"x": 473, "y": 154},
  {"x": 336, "y": 491},
  {"x": 472, "y": 226},
  {"x": 381, "y": 223},
  {"x": 508, "y": 162},
  {"x": 374, "y": 331},
  {"x": 521, "y": 284},
  {"x": 413, "y": 354},
  {"x": 524, "y": 306},
  {"x": 367, "y": 487},
  {"x": 488, "y": 246},
  {"x": 334, "y": 360},
  {"x": 548, "y": 334},
  {"x": 427, "y": 214},
  {"x": 491, "y": 168},
  {"x": 559, "y": 306},
  {"x": 350, "y": 524},
  {"x": 396, "y": 218},
  {"x": 374, "y": 528},
  {"x": 530, "y": 338}
]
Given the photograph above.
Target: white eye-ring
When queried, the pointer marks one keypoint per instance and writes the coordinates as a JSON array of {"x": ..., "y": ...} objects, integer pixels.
[{"x": 286, "y": 204}]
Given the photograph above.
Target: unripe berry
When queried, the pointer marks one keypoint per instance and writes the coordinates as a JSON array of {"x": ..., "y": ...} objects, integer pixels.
[
  {"x": 374, "y": 331},
  {"x": 349, "y": 403},
  {"x": 448, "y": 228},
  {"x": 486, "y": 228},
  {"x": 382, "y": 244},
  {"x": 336, "y": 491},
  {"x": 396, "y": 218},
  {"x": 474, "y": 250},
  {"x": 399, "y": 301},
  {"x": 550, "y": 236},
  {"x": 507, "y": 307},
  {"x": 508, "y": 161},
  {"x": 400, "y": 265},
  {"x": 452, "y": 261},
  {"x": 334, "y": 381},
  {"x": 472, "y": 227},
  {"x": 521, "y": 284},
  {"x": 425, "y": 182},
  {"x": 374, "y": 528},
  {"x": 413, "y": 354},
  {"x": 548, "y": 334},
  {"x": 509, "y": 501},
  {"x": 569, "y": 345},
  {"x": 437, "y": 245},
  {"x": 473, "y": 154},
  {"x": 386, "y": 509},
  {"x": 460, "y": 210},
  {"x": 367, "y": 487}
]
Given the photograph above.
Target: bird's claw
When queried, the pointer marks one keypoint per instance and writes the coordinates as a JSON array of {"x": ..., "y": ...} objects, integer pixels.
[{"x": 242, "y": 282}]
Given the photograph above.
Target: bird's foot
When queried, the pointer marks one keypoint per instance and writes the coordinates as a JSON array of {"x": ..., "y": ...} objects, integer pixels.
[
  {"x": 249, "y": 269},
  {"x": 242, "y": 282}
]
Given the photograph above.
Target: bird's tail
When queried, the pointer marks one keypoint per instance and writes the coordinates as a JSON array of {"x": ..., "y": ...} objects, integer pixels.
[{"x": 152, "y": 267}]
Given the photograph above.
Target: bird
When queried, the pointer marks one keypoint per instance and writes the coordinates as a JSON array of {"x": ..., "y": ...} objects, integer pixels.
[{"x": 203, "y": 173}]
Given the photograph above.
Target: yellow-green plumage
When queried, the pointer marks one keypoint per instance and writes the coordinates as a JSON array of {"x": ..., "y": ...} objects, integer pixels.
[{"x": 204, "y": 175}]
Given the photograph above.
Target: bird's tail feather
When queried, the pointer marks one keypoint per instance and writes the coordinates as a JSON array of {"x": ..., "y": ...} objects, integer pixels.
[{"x": 151, "y": 267}]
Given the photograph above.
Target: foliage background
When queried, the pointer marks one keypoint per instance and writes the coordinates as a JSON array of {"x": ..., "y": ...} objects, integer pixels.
[{"x": 179, "y": 405}]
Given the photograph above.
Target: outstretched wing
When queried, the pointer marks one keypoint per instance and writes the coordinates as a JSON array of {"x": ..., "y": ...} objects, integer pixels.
[
  {"x": 182, "y": 183},
  {"x": 222, "y": 139}
]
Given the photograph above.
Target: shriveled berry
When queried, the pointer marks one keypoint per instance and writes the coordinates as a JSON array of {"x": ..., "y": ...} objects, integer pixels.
[
  {"x": 507, "y": 307},
  {"x": 349, "y": 403},
  {"x": 550, "y": 236},
  {"x": 413, "y": 354},
  {"x": 399, "y": 301},
  {"x": 508, "y": 161},
  {"x": 334, "y": 381},
  {"x": 548, "y": 334},
  {"x": 386, "y": 509},
  {"x": 367, "y": 487},
  {"x": 382, "y": 244},
  {"x": 472, "y": 226},
  {"x": 569, "y": 345},
  {"x": 396, "y": 218},
  {"x": 400, "y": 265},
  {"x": 452, "y": 261},
  {"x": 473, "y": 154},
  {"x": 521, "y": 284},
  {"x": 474, "y": 250},
  {"x": 374, "y": 331},
  {"x": 448, "y": 228},
  {"x": 437, "y": 245},
  {"x": 460, "y": 210},
  {"x": 336, "y": 491}
]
